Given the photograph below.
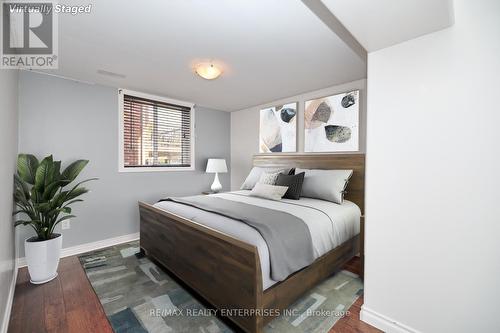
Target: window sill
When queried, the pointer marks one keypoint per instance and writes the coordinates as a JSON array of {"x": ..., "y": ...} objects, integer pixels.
[{"x": 155, "y": 169}]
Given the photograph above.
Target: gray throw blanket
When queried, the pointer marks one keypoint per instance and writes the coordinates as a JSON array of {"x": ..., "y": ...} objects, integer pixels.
[{"x": 288, "y": 238}]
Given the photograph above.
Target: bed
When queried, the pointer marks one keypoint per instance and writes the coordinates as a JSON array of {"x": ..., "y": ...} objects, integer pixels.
[{"x": 227, "y": 262}]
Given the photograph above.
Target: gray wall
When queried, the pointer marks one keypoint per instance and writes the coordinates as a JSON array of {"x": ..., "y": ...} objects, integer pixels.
[
  {"x": 244, "y": 146},
  {"x": 8, "y": 152},
  {"x": 73, "y": 120}
]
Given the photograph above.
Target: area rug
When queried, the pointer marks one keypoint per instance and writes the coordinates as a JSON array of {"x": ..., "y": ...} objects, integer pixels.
[{"x": 138, "y": 296}]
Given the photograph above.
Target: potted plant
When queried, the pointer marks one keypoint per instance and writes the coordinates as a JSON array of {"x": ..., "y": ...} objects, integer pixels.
[{"x": 43, "y": 196}]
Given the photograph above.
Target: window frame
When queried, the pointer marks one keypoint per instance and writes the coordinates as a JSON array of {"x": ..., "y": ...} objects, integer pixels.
[{"x": 121, "y": 144}]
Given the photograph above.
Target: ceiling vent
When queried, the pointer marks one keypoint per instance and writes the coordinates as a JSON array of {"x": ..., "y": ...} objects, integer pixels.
[{"x": 111, "y": 74}]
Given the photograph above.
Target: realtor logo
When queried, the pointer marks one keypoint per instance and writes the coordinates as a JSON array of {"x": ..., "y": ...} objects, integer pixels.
[{"x": 29, "y": 35}]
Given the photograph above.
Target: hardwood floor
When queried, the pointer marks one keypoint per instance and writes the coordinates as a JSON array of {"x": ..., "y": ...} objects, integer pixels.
[
  {"x": 68, "y": 304},
  {"x": 352, "y": 323},
  {"x": 353, "y": 265},
  {"x": 65, "y": 304}
]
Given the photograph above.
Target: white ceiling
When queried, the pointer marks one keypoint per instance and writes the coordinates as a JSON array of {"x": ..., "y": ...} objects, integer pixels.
[
  {"x": 268, "y": 49},
  {"x": 377, "y": 24}
]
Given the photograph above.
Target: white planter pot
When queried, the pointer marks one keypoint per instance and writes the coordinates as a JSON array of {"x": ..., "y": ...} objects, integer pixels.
[{"x": 43, "y": 259}]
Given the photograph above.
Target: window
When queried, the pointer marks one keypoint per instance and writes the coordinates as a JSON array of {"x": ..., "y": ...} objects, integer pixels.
[{"x": 155, "y": 133}]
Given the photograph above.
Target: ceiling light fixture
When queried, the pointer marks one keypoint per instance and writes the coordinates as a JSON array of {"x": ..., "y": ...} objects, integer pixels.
[{"x": 208, "y": 71}]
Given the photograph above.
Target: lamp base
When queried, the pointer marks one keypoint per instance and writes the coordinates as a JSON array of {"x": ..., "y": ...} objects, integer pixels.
[{"x": 216, "y": 185}]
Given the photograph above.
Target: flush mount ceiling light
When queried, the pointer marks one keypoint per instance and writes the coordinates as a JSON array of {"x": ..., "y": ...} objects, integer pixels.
[{"x": 208, "y": 71}]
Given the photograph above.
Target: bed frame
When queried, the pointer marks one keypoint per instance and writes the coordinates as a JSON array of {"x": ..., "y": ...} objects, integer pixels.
[{"x": 226, "y": 271}]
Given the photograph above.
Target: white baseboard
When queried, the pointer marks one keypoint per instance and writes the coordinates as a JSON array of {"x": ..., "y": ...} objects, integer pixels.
[
  {"x": 384, "y": 323},
  {"x": 78, "y": 249},
  {"x": 10, "y": 300}
]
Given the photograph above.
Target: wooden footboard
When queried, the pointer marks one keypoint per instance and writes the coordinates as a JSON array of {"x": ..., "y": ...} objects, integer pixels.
[
  {"x": 223, "y": 270},
  {"x": 226, "y": 271}
]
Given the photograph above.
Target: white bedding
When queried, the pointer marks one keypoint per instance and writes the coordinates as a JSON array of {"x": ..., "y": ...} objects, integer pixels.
[{"x": 330, "y": 224}]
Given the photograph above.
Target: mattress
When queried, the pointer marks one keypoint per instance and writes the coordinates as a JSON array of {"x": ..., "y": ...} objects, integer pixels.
[{"x": 330, "y": 224}]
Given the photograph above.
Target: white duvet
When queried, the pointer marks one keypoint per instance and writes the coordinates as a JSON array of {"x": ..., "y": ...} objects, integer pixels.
[{"x": 330, "y": 224}]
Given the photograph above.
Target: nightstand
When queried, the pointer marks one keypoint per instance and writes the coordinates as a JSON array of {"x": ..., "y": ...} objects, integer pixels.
[{"x": 208, "y": 192}]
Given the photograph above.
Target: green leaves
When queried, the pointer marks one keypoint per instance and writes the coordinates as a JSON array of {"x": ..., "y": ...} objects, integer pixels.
[
  {"x": 72, "y": 202},
  {"x": 73, "y": 170},
  {"x": 24, "y": 222},
  {"x": 51, "y": 190},
  {"x": 46, "y": 173},
  {"x": 39, "y": 192},
  {"x": 26, "y": 167},
  {"x": 65, "y": 218},
  {"x": 22, "y": 187},
  {"x": 76, "y": 193}
]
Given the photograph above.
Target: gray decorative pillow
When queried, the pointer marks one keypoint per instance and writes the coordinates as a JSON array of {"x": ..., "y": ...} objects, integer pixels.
[
  {"x": 268, "y": 178},
  {"x": 294, "y": 183},
  {"x": 254, "y": 176},
  {"x": 325, "y": 184},
  {"x": 266, "y": 191}
]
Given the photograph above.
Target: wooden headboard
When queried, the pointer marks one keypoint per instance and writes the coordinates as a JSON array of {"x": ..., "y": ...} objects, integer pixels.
[{"x": 356, "y": 162}]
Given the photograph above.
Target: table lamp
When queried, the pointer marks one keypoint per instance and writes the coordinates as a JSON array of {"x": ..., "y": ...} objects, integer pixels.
[{"x": 216, "y": 165}]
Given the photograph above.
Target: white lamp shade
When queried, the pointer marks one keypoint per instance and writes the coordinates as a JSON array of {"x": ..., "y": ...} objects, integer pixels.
[{"x": 216, "y": 165}]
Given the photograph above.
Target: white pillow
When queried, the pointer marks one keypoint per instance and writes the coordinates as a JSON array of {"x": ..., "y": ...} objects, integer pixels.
[
  {"x": 266, "y": 191},
  {"x": 254, "y": 176},
  {"x": 268, "y": 178},
  {"x": 325, "y": 184}
]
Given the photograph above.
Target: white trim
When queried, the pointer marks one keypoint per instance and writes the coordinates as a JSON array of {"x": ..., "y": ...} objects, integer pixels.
[
  {"x": 154, "y": 169},
  {"x": 82, "y": 248},
  {"x": 10, "y": 300},
  {"x": 121, "y": 158},
  {"x": 384, "y": 323},
  {"x": 157, "y": 98}
]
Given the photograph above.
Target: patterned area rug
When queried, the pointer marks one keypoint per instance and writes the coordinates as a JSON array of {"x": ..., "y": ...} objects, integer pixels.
[{"x": 138, "y": 296}]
